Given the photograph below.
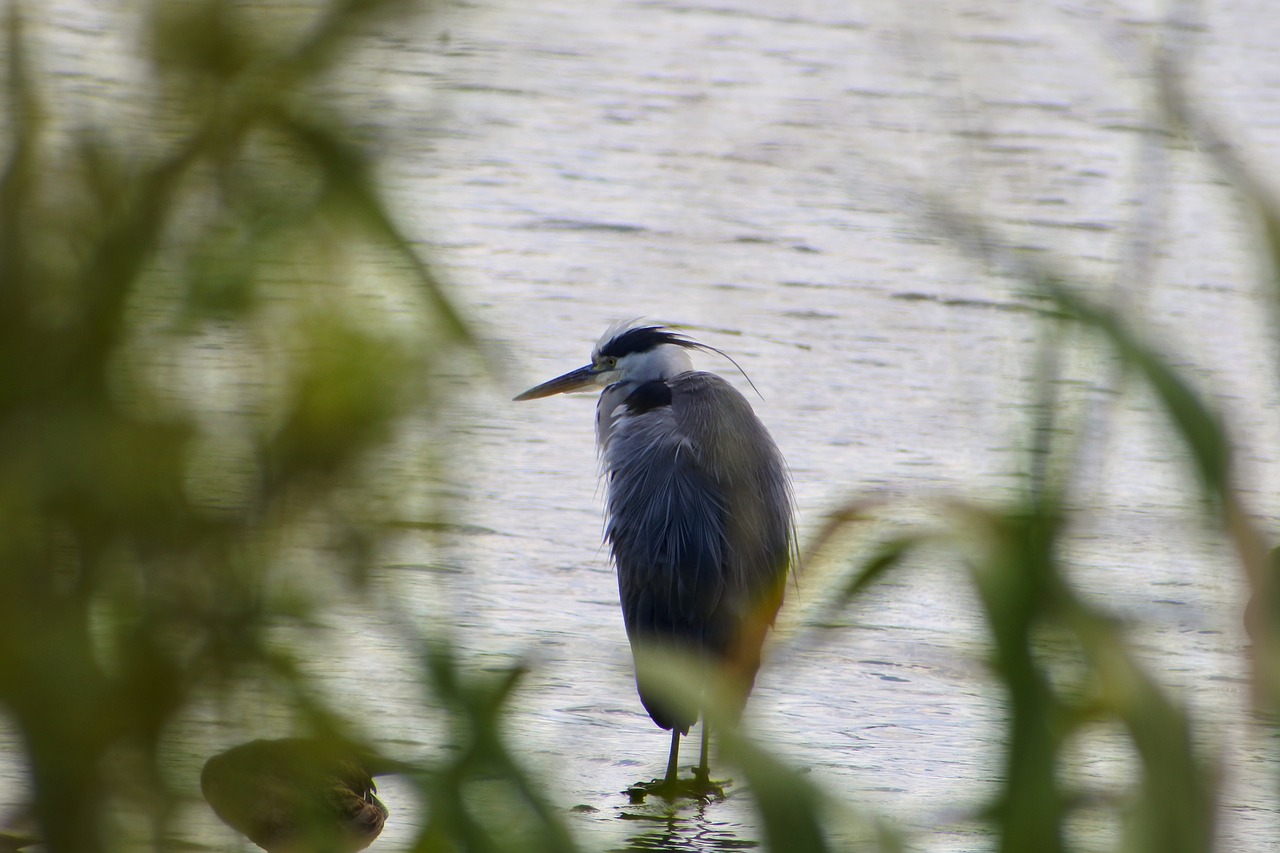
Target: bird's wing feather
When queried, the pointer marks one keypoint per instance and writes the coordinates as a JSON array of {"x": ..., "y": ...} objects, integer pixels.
[
  {"x": 741, "y": 457},
  {"x": 700, "y": 525},
  {"x": 666, "y": 529},
  {"x": 699, "y": 509}
]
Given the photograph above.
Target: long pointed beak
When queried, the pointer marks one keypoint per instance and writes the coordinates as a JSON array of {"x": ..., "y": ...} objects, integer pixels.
[{"x": 571, "y": 381}]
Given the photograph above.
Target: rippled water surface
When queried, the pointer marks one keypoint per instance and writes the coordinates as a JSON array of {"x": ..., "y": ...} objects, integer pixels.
[{"x": 752, "y": 170}]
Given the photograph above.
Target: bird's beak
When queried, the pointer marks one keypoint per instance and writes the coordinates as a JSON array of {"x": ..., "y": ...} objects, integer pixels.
[{"x": 571, "y": 381}]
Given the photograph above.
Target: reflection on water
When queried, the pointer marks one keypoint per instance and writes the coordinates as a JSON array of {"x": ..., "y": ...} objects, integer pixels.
[{"x": 683, "y": 829}]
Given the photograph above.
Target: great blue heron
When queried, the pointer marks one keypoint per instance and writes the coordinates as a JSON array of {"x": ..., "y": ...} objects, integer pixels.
[{"x": 699, "y": 514}]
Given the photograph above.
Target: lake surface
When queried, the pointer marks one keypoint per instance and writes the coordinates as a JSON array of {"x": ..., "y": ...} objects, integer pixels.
[{"x": 753, "y": 171}]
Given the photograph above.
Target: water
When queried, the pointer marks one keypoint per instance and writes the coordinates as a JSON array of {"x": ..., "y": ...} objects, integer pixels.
[{"x": 750, "y": 170}]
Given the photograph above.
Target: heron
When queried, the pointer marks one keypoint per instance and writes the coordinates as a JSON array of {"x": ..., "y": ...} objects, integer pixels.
[{"x": 699, "y": 517}]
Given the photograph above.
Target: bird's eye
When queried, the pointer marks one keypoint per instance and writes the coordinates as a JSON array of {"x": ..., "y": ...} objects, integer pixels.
[{"x": 610, "y": 362}]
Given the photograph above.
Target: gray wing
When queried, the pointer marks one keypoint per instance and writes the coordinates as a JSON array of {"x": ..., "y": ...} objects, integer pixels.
[
  {"x": 666, "y": 528},
  {"x": 699, "y": 522},
  {"x": 739, "y": 454}
]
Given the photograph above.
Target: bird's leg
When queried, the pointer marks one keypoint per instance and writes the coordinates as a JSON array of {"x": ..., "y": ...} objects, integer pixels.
[
  {"x": 672, "y": 769},
  {"x": 703, "y": 771},
  {"x": 671, "y": 788}
]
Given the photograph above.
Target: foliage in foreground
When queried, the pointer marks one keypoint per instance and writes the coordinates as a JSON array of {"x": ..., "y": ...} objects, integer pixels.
[
  {"x": 192, "y": 395},
  {"x": 160, "y": 518}
]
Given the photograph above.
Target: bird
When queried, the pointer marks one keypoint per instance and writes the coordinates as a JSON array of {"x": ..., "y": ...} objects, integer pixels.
[
  {"x": 295, "y": 794},
  {"x": 699, "y": 517}
]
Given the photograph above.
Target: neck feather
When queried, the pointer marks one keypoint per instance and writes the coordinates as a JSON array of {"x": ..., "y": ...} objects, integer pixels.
[{"x": 661, "y": 362}]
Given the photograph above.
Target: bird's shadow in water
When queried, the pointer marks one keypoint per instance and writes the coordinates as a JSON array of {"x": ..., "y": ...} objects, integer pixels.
[{"x": 682, "y": 824}]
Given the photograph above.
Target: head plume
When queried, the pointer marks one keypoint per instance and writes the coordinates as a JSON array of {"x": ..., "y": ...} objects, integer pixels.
[{"x": 632, "y": 336}]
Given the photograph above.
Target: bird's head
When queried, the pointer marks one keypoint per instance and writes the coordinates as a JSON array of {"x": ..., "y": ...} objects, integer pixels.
[{"x": 628, "y": 351}]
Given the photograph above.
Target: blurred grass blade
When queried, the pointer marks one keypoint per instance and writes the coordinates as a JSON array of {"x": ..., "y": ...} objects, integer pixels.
[
  {"x": 825, "y": 563},
  {"x": 791, "y": 809},
  {"x": 1247, "y": 179},
  {"x": 16, "y": 186},
  {"x": 885, "y": 558},
  {"x": 482, "y": 799},
  {"x": 1206, "y": 438},
  {"x": 347, "y": 173},
  {"x": 860, "y": 578},
  {"x": 1196, "y": 422},
  {"x": 1017, "y": 580},
  {"x": 1176, "y": 807},
  {"x": 1263, "y": 615}
]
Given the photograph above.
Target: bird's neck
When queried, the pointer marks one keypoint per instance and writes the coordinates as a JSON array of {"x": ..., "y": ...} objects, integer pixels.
[{"x": 660, "y": 363}]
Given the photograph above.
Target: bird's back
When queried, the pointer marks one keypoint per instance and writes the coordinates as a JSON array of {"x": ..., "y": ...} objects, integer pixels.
[{"x": 699, "y": 522}]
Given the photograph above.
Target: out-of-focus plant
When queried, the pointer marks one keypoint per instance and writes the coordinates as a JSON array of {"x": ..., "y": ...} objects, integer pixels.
[
  {"x": 1259, "y": 199},
  {"x": 209, "y": 327},
  {"x": 1064, "y": 663},
  {"x": 481, "y": 797}
]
